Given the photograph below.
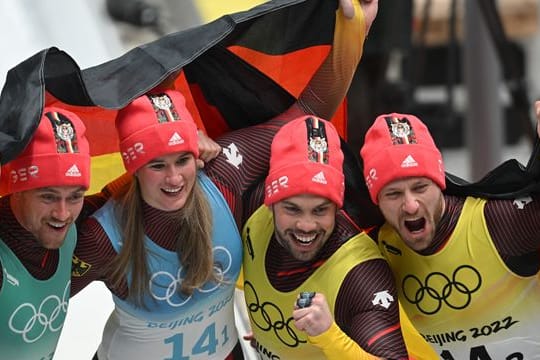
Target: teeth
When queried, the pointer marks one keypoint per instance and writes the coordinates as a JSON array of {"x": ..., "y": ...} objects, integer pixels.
[
  {"x": 305, "y": 238},
  {"x": 57, "y": 225},
  {"x": 172, "y": 190}
]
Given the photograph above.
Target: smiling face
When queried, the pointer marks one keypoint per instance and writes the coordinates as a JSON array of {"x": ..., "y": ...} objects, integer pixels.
[
  {"x": 413, "y": 207},
  {"x": 167, "y": 181},
  {"x": 303, "y": 224},
  {"x": 48, "y": 212}
]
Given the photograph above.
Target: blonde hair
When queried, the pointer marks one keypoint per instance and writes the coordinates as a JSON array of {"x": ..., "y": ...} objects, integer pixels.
[{"x": 193, "y": 243}]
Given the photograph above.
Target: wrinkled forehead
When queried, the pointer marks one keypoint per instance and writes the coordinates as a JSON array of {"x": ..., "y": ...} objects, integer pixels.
[{"x": 407, "y": 183}]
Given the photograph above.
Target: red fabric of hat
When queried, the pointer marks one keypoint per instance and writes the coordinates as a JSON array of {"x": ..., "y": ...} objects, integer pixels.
[
  {"x": 155, "y": 125},
  {"x": 399, "y": 146},
  {"x": 306, "y": 158},
  {"x": 58, "y": 155}
]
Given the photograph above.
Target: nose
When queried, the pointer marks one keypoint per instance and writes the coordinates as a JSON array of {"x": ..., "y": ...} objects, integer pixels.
[
  {"x": 61, "y": 211},
  {"x": 173, "y": 175},
  {"x": 306, "y": 224},
  {"x": 410, "y": 203}
]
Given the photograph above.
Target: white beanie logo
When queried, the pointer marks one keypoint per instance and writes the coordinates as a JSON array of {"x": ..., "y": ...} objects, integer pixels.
[
  {"x": 409, "y": 162},
  {"x": 73, "y": 171},
  {"x": 24, "y": 174},
  {"x": 273, "y": 188},
  {"x": 319, "y": 178},
  {"x": 175, "y": 139}
]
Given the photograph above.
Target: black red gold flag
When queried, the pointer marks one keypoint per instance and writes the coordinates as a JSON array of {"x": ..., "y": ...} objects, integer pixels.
[{"x": 238, "y": 70}]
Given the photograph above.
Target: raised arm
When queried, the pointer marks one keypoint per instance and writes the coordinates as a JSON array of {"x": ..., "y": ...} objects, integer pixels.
[{"x": 330, "y": 84}]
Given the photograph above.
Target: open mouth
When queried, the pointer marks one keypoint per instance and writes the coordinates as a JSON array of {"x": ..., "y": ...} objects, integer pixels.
[{"x": 415, "y": 225}]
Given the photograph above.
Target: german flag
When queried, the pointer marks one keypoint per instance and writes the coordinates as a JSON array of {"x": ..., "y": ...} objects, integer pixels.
[{"x": 238, "y": 70}]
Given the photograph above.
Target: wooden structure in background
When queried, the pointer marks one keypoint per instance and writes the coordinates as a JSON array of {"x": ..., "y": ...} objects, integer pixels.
[{"x": 519, "y": 17}]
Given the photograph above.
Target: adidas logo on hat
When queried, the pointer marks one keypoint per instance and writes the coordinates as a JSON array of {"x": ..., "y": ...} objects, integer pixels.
[
  {"x": 175, "y": 139},
  {"x": 73, "y": 171},
  {"x": 319, "y": 178},
  {"x": 409, "y": 162}
]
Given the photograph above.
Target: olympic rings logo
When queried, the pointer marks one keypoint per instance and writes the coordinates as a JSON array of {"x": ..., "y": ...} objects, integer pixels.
[
  {"x": 268, "y": 316},
  {"x": 164, "y": 285},
  {"x": 50, "y": 314},
  {"x": 456, "y": 292},
  {"x": 170, "y": 290}
]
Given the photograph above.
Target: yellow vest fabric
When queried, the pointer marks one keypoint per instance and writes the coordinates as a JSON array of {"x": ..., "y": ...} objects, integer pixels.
[{"x": 417, "y": 347}]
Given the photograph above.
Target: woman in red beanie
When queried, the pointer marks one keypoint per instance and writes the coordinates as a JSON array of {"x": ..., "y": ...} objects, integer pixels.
[{"x": 167, "y": 244}]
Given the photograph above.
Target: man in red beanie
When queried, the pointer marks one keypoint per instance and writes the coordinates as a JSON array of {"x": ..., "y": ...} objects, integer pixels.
[
  {"x": 42, "y": 195},
  {"x": 466, "y": 267},
  {"x": 314, "y": 255}
]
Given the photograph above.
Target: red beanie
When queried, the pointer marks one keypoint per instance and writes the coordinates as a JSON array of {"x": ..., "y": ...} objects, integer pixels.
[
  {"x": 306, "y": 157},
  {"x": 58, "y": 155},
  {"x": 154, "y": 125},
  {"x": 399, "y": 146}
]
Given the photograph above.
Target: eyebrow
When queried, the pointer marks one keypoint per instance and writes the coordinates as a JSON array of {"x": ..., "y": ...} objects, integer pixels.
[
  {"x": 324, "y": 203},
  {"x": 53, "y": 190},
  {"x": 161, "y": 159}
]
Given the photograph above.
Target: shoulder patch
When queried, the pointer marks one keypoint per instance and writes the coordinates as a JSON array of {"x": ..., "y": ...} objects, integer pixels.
[{"x": 79, "y": 267}]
